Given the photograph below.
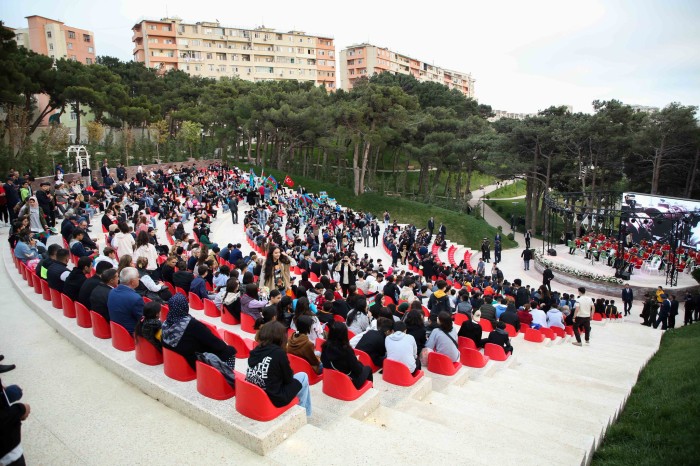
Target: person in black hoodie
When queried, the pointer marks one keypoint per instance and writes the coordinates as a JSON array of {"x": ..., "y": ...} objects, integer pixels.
[
  {"x": 183, "y": 277},
  {"x": 471, "y": 330},
  {"x": 416, "y": 327},
  {"x": 372, "y": 342},
  {"x": 337, "y": 354},
  {"x": 100, "y": 295},
  {"x": 269, "y": 369},
  {"x": 509, "y": 316},
  {"x": 187, "y": 336},
  {"x": 58, "y": 270},
  {"x": 91, "y": 283},
  {"x": 77, "y": 277},
  {"x": 499, "y": 337},
  {"x": 439, "y": 301}
]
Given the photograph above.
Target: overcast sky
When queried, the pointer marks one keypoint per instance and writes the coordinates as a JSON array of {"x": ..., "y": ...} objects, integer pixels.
[{"x": 525, "y": 55}]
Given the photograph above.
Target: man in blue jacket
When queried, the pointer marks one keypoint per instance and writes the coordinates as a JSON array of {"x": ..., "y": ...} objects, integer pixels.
[{"x": 124, "y": 304}]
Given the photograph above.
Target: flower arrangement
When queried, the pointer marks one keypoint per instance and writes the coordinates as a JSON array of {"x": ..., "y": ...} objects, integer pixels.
[{"x": 577, "y": 273}]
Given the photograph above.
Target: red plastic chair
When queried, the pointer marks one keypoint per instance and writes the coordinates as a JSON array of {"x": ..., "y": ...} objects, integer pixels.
[
  {"x": 397, "y": 373},
  {"x": 495, "y": 352},
  {"x": 247, "y": 323},
  {"x": 558, "y": 331},
  {"x": 533, "y": 335},
  {"x": 228, "y": 318},
  {"x": 523, "y": 327},
  {"x": 338, "y": 318},
  {"x": 37, "y": 284},
  {"x": 45, "y": 290},
  {"x": 313, "y": 277},
  {"x": 55, "y": 298},
  {"x": 252, "y": 401},
  {"x": 100, "y": 327},
  {"x": 597, "y": 317},
  {"x": 319, "y": 343},
  {"x": 213, "y": 328},
  {"x": 82, "y": 315},
  {"x": 464, "y": 342},
  {"x": 176, "y": 367},
  {"x": 30, "y": 276},
  {"x": 386, "y": 300},
  {"x": 302, "y": 365},
  {"x": 121, "y": 338},
  {"x": 210, "y": 308},
  {"x": 460, "y": 318},
  {"x": 366, "y": 360},
  {"x": 212, "y": 384},
  {"x": 486, "y": 325},
  {"x": 181, "y": 291},
  {"x": 171, "y": 287},
  {"x": 147, "y": 354},
  {"x": 441, "y": 364},
  {"x": 472, "y": 358},
  {"x": 164, "y": 309},
  {"x": 243, "y": 345},
  {"x": 569, "y": 330},
  {"x": 511, "y": 331},
  {"x": 68, "y": 306},
  {"x": 548, "y": 333},
  {"x": 339, "y": 386},
  {"x": 195, "y": 302}
]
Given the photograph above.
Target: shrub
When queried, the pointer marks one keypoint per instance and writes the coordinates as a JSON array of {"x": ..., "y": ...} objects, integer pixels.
[{"x": 511, "y": 236}]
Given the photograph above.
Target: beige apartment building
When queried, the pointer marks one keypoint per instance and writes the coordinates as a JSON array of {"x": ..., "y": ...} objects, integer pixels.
[
  {"x": 365, "y": 60},
  {"x": 211, "y": 50},
  {"x": 57, "y": 40}
]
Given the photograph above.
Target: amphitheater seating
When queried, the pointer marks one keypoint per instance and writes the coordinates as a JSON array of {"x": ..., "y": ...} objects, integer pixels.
[
  {"x": 243, "y": 345},
  {"x": 100, "y": 327},
  {"x": 176, "y": 367},
  {"x": 212, "y": 384},
  {"x": 247, "y": 323},
  {"x": 82, "y": 315},
  {"x": 511, "y": 331},
  {"x": 472, "y": 358},
  {"x": 534, "y": 336},
  {"x": 302, "y": 365},
  {"x": 45, "y": 290},
  {"x": 68, "y": 306},
  {"x": 366, "y": 360},
  {"x": 495, "y": 352},
  {"x": 121, "y": 338},
  {"x": 228, "y": 318},
  {"x": 486, "y": 325},
  {"x": 147, "y": 354},
  {"x": 195, "y": 302},
  {"x": 338, "y": 385},
  {"x": 210, "y": 308},
  {"x": 441, "y": 364},
  {"x": 397, "y": 373},
  {"x": 253, "y": 402}
]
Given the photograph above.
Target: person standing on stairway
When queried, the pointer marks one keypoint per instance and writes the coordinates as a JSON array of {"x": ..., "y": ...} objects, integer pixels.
[
  {"x": 547, "y": 277},
  {"x": 528, "y": 237}
]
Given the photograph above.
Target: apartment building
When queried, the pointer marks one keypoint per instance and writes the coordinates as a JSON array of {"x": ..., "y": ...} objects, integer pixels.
[
  {"x": 211, "y": 50},
  {"x": 57, "y": 40},
  {"x": 365, "y": 60}
]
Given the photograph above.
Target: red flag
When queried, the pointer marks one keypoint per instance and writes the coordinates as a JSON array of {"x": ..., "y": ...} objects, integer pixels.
[{"x": 288, "y": 181}]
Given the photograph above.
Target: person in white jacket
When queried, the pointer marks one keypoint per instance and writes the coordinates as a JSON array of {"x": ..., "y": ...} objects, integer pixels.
[{"x": 402, "y": 347}]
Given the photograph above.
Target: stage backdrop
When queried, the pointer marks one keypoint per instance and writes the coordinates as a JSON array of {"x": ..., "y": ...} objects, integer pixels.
[{"x": 651, "y": 218}]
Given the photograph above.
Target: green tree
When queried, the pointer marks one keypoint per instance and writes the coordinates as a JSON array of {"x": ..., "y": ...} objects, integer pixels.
[{"x": 189, "y": 134}]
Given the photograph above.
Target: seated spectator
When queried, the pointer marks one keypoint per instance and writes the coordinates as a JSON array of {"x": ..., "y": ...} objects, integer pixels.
[
  {"x": 76, "y": 245},
  {"x": 90, "y": 284},
  {"x": 26, "y": 249},
  {"x": 358, "y": 320},
  {"x": 58, "y": 271},
  {"x": 303, "y": 309},
  {"x": 337, "y": 354},
  {"x": 501, "y": 307},
  {"x": 144, "y": 248},
  {"x": 372, "y": 342},
  {"x": 538, "y": 317},
  {"x": 183, "y": 278},
  {"x": 150, "y": 327},
  {"x": 524, "y": 314},
  {"x": 463, "y": 305},
  {"x": 221, "y": 277},
  {"x": 148, "y": 287},
  {"x": 77, "y": 277},
  {"x": 416, "y": 327},
  {"x": 124, "y": 304},
  {"x": 509, "y": 316},
  {"x": 187, "y": 336},
  {"x": 443, "y": 339},
  {"x": 472, "y": 330},
  {"x": 42, "y": 267},
  {"x": 268, "y": 314},
  {"x": 99, "y": 298},
  {"x": 109, "y": 255},
  {"x": 488, "y": 310},
  {"x": 229, "y": 298},
  {"x": 402, "y": 347},
  {"x": 251, "y": 303},
  {"x": 555, "y": 318},
  {"x": 499, "y": 337},
  {"x": 300, "y": 345},
  {"x": 269, "y": 369},
  {"x": 199, "y": 284}
]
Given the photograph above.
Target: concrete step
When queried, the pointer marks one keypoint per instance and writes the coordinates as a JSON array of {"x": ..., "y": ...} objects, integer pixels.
[
  {"x": 327, "y": 411},
  {"x": 392, "y": 395}
]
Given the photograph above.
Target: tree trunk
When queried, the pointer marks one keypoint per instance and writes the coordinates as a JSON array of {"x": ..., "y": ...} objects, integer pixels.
[
  {"x": 355, "y": 168},
  {"x": 76, "y": 107},
  {"x": 250, "y": 148},
  {"x": 691, "y": 182},
  {"x": 657, "y": 163}
]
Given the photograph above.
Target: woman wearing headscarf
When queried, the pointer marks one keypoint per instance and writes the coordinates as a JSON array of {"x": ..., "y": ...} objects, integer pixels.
[{"x": 187, "y": 336}]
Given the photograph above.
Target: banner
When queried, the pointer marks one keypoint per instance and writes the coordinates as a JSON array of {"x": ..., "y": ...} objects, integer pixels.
[{"x": 288, "y": 181}]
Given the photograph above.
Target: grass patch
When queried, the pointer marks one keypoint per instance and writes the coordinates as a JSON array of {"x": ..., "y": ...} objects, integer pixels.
[
  {"x": 660, "y": 422},
  {"x": 461, "y": 228},
  {"x": 507, "y": 208},
  {"x": 510, "y": 190}
]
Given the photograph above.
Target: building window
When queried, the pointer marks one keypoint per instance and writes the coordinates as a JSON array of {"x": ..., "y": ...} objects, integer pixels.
[
  {"x": 209, "y": 56},
  {"x": 152, "y": 40},
  {"x": 86, "y": 37},
  {"x": 168, "y": 41},
  {"x": 152, "y": 27},
  {"x": 48, "y": 34},
  {"x": 74, "y": 57},
  {"x": 211, "y": 67},
  {"x": 50, "y": 46},
  {"x": 71, "y": 34},
  {"x": 73, "y": 116},
  {"x": 70, "y": 46},
  {"x": 91, "y": 50},
  {"x": 166, "y": 27}
]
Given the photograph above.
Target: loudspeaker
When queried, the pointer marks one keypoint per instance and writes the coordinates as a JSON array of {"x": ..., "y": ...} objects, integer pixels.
[{"x": 552, "y": 252}]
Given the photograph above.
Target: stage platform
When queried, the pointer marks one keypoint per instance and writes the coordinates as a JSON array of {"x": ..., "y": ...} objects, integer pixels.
[{"x": 640, "y": 281}]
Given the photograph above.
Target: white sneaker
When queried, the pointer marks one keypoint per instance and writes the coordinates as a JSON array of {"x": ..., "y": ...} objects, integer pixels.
[{"x": 576, "y": 343}]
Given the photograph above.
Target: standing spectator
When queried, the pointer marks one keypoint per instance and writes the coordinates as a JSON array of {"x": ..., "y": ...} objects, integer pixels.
[
  {"x": 527, "y": 257},
  {"x": 674, "y": 312},
  {"x": 486, "y": 250},
  {"x": 582, "y": 316},
  {"x": 547, "y": 277},
  {"x": 688, "y": 307},
  {"x": 431, "y": 227},
  {"x": 664, "y": 312},
  {"x": 528, "y": 237},
  {"x": 497, "y": 251},
  {"x": 627, "y": 298},
  {"x": 12, "y": 414},
  {"x": 121, "y": 172},
  {"x": 233, "y": 207}
]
